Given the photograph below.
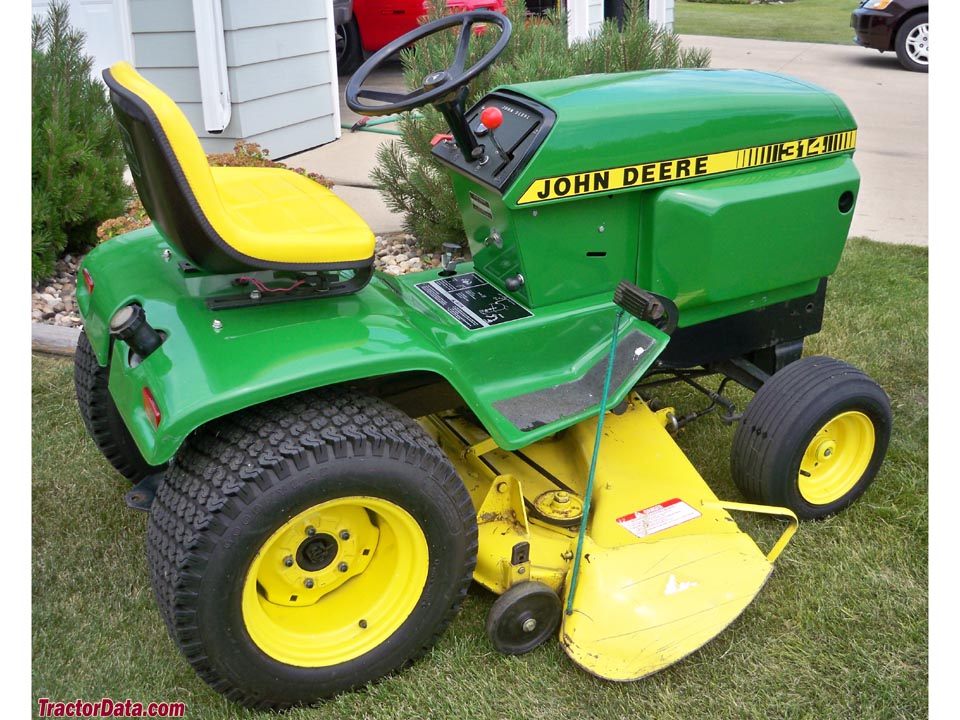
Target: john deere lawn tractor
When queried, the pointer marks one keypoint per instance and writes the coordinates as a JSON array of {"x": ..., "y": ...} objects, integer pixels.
[{"x": 330, "y": 456}]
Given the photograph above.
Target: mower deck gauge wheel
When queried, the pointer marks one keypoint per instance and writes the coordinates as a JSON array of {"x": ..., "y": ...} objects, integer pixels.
[
  {"x": 523, "y": 618},
  {"x": 813, "y": 438}
]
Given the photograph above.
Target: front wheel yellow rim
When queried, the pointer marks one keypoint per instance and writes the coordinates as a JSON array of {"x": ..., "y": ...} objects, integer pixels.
[
  {"x": 335, "y": 581},
  {"x": 836, "y": 458}
]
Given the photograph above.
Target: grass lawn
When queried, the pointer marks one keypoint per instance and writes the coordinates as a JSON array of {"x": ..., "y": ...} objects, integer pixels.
[
  {"x": 839, "y": 631},
  {"x": 820, "y": 21}
]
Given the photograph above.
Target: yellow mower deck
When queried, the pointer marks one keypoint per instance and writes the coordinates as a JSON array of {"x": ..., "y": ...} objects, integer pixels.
[{"x": 664, "y": 568}]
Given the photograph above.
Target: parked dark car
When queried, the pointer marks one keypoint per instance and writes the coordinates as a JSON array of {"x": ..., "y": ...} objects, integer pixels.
[{"x": 898, "y": 25}]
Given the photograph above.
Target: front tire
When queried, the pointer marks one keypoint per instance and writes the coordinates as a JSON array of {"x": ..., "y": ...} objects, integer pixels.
[
  {"x": 813, "y": 438},
  {"x": 913, "y": 43},
  {"x": 309, "y": 546}
]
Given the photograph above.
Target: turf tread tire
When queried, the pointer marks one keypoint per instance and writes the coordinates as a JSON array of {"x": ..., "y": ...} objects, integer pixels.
[
  {"x": 102, "y": 418},
  {"x": 228, "y": 465},
  {"x": 780, "y": 421}
]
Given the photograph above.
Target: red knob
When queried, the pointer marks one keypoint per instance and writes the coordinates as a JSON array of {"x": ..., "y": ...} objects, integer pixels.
[{"x": 491, "y": 118}]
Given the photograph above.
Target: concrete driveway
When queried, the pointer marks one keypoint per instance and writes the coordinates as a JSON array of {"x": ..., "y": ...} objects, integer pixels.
[{"x": 890, "y": 106}]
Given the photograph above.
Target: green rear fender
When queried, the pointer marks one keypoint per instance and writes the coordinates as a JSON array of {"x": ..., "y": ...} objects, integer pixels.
[
  {"x": 202, "y": 372},
  {"x": 195, "y": 378},
  {"x": 213, "y": 363}
]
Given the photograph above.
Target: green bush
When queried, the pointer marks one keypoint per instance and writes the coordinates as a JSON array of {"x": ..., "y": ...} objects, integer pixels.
[
  {"x": 78, "y": 159},
  {"x": 409, "y": 179}
]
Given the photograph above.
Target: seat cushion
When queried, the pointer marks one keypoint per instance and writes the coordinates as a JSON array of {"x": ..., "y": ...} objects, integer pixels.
[{"x": 280, "y": 216}]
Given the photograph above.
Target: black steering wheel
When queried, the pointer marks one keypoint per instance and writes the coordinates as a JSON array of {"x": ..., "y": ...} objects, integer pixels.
[{"x": 439, "y": 86}]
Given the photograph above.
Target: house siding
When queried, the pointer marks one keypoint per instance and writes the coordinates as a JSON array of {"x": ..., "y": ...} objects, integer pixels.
[
  {"x": 661, "y": 12},
  {"x": 594, "y": 14},
  {"x": 281, "y": 71}
]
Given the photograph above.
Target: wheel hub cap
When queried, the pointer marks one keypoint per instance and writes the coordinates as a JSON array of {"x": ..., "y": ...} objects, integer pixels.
[
  {"x": 316, "y": 552},
  {"x": 918, "y": 44},
  {"x": 825, "y": 450}
]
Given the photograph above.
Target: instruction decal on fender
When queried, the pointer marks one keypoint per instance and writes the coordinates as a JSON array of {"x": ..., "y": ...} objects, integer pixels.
[
  {"x": 696, "y": 166},
  {"x": 658, "y": 518},
  {"x": 472, "y": 301}
]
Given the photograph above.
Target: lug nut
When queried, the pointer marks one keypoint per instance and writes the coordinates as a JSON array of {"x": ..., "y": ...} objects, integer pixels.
[
  {"x": 311, "y": 530},
  {"x": 344, "y": 534},
  {"x": 288, "y": 561},
  {"x": 342, "y": 567},
  {"x": 308, "y": 583},
  {"x": 363, "y": 624}
]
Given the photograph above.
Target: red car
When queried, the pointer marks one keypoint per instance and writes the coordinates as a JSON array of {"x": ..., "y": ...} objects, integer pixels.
[{"x": 374, "y": 23}]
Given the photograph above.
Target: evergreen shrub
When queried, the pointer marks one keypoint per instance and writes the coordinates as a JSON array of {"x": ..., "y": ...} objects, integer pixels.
[{"x": 78, "y": 160}]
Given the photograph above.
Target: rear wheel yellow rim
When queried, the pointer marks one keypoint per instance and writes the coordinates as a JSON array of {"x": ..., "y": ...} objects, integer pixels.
[
  {"x": 836, "y": 458},
  {"x": 335, "y": 581}
]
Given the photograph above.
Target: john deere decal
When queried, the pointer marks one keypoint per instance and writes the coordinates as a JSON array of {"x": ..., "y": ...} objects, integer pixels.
[{"x": 663, "y": 171}]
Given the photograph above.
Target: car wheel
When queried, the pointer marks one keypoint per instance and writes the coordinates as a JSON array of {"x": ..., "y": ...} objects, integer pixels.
[
  {"x": 102, "y": 418},
  {"x": 349, "y": 49},
  {"x": 309, "y": 546},
  {"x": 913, "y": 43},
  {"x": 813, "y": 438}
]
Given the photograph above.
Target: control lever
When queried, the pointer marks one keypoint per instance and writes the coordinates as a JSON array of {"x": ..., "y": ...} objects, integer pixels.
[
  {"x": 448, "y": 259},
  {"x": 491, "y": 118}
]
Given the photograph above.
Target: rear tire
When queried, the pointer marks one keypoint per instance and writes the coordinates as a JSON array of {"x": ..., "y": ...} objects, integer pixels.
[
  {"x": 813, "y": 438},
  {"x": 309, "y": 546},
  {"x": 101, "y": 417},
  {"x": 913, "y": 43}
]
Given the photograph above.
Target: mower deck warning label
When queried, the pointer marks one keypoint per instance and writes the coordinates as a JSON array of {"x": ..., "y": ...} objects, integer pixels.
[
  {"x": 472, "y": 301},
  {"x": 658, "y": 518}
]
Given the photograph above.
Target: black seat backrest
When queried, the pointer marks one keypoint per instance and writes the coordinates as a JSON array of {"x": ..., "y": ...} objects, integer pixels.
[{"x": 170, "y": 171}]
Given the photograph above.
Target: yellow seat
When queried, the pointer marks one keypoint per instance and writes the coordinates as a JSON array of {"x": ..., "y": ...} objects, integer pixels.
[{"x": 229, "y": 219}]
